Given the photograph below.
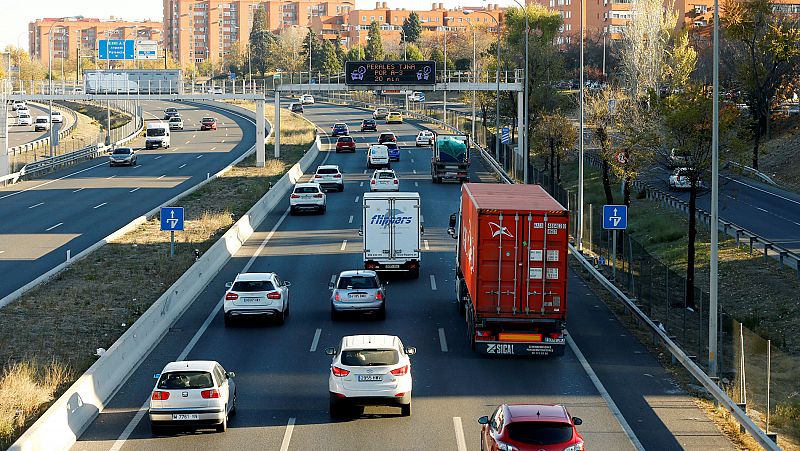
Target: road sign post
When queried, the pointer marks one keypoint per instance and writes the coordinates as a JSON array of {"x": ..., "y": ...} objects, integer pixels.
[
  {"x": 172, "y": 220},
  {"x": 615, "y": 217}
]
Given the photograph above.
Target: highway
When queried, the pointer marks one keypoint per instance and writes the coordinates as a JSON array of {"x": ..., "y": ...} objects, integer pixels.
[
  {"x": 76, "y": 207},
  {"x": 18, "y": 135},
  {"x": 282, "y": 371}
]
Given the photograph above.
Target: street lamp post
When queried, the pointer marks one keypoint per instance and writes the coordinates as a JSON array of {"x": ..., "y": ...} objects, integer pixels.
[
  {"x": 474, "y": 73},
  {"x": 444, "y": 103},
  {"x": 405, "y": 44},
  {"x": 714, "y": 282},
  {"x": 579, "y": 235},
  {"x": 525, "y": 101},
  {"x": 50, "y": 80},
  {"x": 497, "y": 93}
]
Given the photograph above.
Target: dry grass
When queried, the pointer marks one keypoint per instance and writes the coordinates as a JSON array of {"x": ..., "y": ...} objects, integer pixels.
[
  {"x": 778, "y": 157},
  {"x": 91, "y": 304}
]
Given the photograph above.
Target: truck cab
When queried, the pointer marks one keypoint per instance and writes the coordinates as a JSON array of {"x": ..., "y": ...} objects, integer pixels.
[
  {"x": 157, "y": 135},
  {"x": 450, "y": 159}
]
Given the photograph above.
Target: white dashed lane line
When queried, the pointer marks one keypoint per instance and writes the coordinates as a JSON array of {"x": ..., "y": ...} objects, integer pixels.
[
  {"x": 344, "y": 245},
  {"x": 134, "y": 190},
  {"x": 427, "y": 248},
  {"x": 357, "y": 198},
  {"x": 433, "y": 283},
  {"x": 182, "y": 166},
  {"x": 53, "y": 227},
  {"x": 99, "y": 205},
  {"x": 162, "y": 176},
  {"x": 350, "y": 221},
  {"x": 442, "y": 340},
  {"x": 158, "y": 156},
  {"x": 35, "y": 205},
  {"x": 199, "y": 156},
  {"x": 315, "y": 341},
  {"x": 108, "y": 178},
  {"x": 78, "y": 190}
]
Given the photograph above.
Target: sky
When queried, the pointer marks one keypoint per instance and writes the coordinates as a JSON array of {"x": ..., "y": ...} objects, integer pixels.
[{"x": 16, "y": 15}]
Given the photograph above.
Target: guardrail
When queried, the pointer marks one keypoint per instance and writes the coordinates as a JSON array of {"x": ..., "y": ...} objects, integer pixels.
[
  {"x": 46, "y": 140},
  {"x": 747, "y": 169}
]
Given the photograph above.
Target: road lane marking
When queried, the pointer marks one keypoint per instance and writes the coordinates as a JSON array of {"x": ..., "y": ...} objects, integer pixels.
[
  {"x": 415, "y": 171},
  {"x": 157, "y": 157},
  {"x": 99, "y": 205},
  {"x": 194, "y": 136},
  {"x": 361, "y": 184},
  {"x": 287, "y": 436},
  {"x": 604, "y": 394},
  {"x": 188, "y": 142},
  {"x": 433, "y": 283},
  {"x": 427, "y": 248},
  {"x": 365, "y": 171},
  {"x": 350, "y": 221},
  {"x": 223, "y": 140},
  {"x": 315, "y": 341},
  {"x": 52, "y": 181},
  {"x": 357, "y": 198},
  {"x": 344, "y": 244},
  {"x": 213, "y": 148},
  {"x": 35, "y": 205},
  {"x": 412, "y": 160},
  {"x": 161, "y": 177},
  {"x": 333, "y": 278},
  {"x": 79, "y": 189},
  {"x": 135, "y": 189},
  {"x": 199, "y": 156},
  {"x": 763, "y": 191},
  {"x": 2, "y": 252},
  {"x": 765, "y": 211},
  {"x": 461, "y": 444},
  {"x": 53, "y": 227},
  {"x": 182, "y": 166},
  {"x": 108, "y": 178},
  {"x": 442, "y": 340},
  {"x": 416, "y": 183}
]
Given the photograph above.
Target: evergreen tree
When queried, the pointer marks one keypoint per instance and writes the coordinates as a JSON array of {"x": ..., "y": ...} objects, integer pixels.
[
  {"x": 356, "y": 53},
  {"x": 331, "y": 64},
  {"x": 438, "y": 56},
  {"x": 412, "y": 28},
  {"x": 340, "y": 51},
  {"x": 413, "y": 53},
  {"x": 374, "y": 50},
  {"x": 317, "y": 55},
  {"x": 261, "y": 41}
]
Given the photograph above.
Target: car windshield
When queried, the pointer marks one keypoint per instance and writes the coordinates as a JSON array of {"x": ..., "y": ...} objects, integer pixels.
[
  {"x": 122, "y": 151},
  {"x": 41, "y": 121},
  {"x": 539, "y": 432},
  {"x": 156, "y": 132},
  {"x": 178, "y": 380},
  {"x": 345, "y": 139},
  {"x": 370, "y": 357},
  {"x": 381, "y": 110},
  {"x": 357, "y": 282},
  {"x": 249, "y": 286},
  {"x": 327, "y": 171},
  {"x": 368, "y": 122},
  {"x": 306, "y": 190},
  {"x": 175, "y": 119},
  {"x": 387, "y": 136},
  {"x": 171, "y": 110},
  {"x": 386, "y": 175},
  {"x": 208, "y": 119},
  {"x": 340, "y": 125},
  {"x": 391, "y": 146}
]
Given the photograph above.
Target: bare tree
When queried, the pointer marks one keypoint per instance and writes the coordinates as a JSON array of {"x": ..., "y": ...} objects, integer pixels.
[
  {"x": 600, "y": 113},
  {"x": 557, "y": 134}
]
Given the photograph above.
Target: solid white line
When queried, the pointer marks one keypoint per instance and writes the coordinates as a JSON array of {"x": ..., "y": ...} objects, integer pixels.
[
  {"x": 35, "y": 205},
  {"x": 764, "y": 191},
  {"x": 182, "y": 166},
  {"x": 51, "y": 228},
  {"x": 427, "y": 248},
  {"x": 416, "y": 183},
  {"x": 315, "y": 341},
  {"x": 357, "y": 197},
  {"x": 108, "y": 178},
  {"x": 442, "y": 340},
  {"x": 99, "y": 205},
  {"x": 199, "y": 156},
  {"x": 433, "y": 283},
  {"x": 161, "y": 177},
  {"x": 52, "y": 181},
  {"x": 158, "y": 156},
  {"x": 461, "y": 444},
  {"x": 287, "y": 436},
  {"x": 344, "y": 244},
  {"x": 604, "y": 394},
  {"x": 350, "y": 221},
  {"x": 79, "y": 189},
  {"x": 135, "y": 189}
]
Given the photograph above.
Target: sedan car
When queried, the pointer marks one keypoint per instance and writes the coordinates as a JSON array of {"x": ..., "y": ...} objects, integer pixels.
[
  {"x": 18, "y": 105},
  {"x": 394, "y": 117},
  {"x": 369, "y": 124},
  {"x": 56, "y": 117},
  {"x": 387, "y": 136},
  {"x": 345, "y": 143},
  {"x": 208, "y": 123},
  {"x": 329, "y": 176},
  {"x": 358, "y": 291},
  {"x": 215, "y": 90},
  {"x": 307, "y": 99},
  {"x": 340, "y": 129},
  {"x": 425, "y": 138},
  {"x": 380, "y": 113},
  {"x": 394, "y": 150},
  {"x": 530, "y": 427},
  {"x": 176, "y": 123},
  {"x": 296, "y": 107},
  {"x": 122, "y": 156},
  {"x": 256, "y": 294},
  {"x": 384, "y": 180},
  {"x": 41, "y": 123},
  {"x": 680, "y": 180},
  {"x": 24, "y": 119},
  {"x": 370, "y": 370},
  {"x": 192, "y": 393},
  {"x": 169, "y": 112},
  {"x": 307, "y": 196}
]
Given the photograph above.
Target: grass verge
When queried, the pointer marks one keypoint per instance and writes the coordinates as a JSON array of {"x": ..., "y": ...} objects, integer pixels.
[{"x": 48, "y": 333}]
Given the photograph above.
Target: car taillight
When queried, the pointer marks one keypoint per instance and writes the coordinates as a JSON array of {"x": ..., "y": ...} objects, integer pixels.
[
  {"x": 337, "y": 176},
  {"x": 400, "y": 371},
  {"x": 295, "y": 196},
  {"x": 317, "y": 196},
  {"x": 231, "y": 297},
  {"x": 379, "y": 295},
  {"x": 372, "y": 182},
  {"x": 318, "y": 176},
  {"x": 209, "y": 394},
  {"x": 396, "y": 181},
  {"x": 555, "y": 335},
  {"x": 336, "y": 296},
  {"x": 339, "y": 372},
  {"x": 160, "y": 396},
  {"x": 274, "y": 295},
  {"x": 483, "y": 335}
]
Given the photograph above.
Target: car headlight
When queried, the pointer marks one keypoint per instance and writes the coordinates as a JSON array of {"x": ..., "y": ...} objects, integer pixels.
[
  {"x": 576, "y": 447},
  {"x": 506, "y": 447}
]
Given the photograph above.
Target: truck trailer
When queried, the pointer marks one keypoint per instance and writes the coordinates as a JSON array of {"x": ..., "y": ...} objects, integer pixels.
[
  {"x": 392, "y": 229},
  {"x": 511, "y": 268},
  {"x": 450, "y": 159}
]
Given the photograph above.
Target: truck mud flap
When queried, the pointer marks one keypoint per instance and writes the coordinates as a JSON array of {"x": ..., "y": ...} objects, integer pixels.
[{"x": 519, "y": 349}]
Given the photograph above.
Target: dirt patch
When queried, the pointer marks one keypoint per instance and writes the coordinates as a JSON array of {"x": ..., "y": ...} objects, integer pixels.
[{"x": 778, "y": 157}]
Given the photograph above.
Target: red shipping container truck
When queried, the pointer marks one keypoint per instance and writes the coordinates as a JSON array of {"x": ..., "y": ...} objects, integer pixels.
[{"x": 511, "y": 268}]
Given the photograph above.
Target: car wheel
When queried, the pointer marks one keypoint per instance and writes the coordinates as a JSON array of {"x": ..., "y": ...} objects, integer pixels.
[
  {"x": 414, "y": 272},
  {"x": 335, "y": 407},
  {"x": 382, "y": 313},
  {"x": 233, "y": 406},
  {"x": 292, "y": 211},
  {"x": 281, "y": 318},
  {"x": 405, "y": 410},
  {"x": 334, "y": 314},
  {"x": 156, "y": 430},
  {"x": 322, "y": 210},
  {"x": 228, "y": 320},
  {"x": 222, "y": 427},
  {"x": 341, "y": 187}
]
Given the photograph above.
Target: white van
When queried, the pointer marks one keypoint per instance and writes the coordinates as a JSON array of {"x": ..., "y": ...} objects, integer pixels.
[
  {"x": 41, "y": 123},
  {"x": 377, "y": 156},
  {"x": 157, "y": 135}
]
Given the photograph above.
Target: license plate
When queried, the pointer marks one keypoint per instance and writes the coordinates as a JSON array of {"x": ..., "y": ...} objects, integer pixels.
[
  {"x": 185, "y": 416},
  {"x": 251, "y": 299},
  {"x": 370, "y": 378},
  {"x": 392, "y": 266},
  {"x": 358, "y": 296}
]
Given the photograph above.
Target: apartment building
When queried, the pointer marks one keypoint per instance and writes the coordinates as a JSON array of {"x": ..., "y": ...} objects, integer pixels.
[{"x": 74, "y": 36}]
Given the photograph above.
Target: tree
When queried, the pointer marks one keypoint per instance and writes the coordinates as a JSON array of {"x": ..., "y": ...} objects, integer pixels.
[
  {"x": 317, "y": 56},
  {"x": 601, "y": 117},
  {"x": 356, "y": 53},
  {"x": 374, "y": 50},
  {"x": 236, "y": 59},
  {"x": 330, "y": 61},
  {"x": 681, "y": 62},
  {"x": 555, "y": 133},
  {"x": 438, "y": 56},
  {"x": 262, "y": 42},
  {"x": 287, "y": 51},
  {"x": 341, "y": 54},
  {"x": 765, "y": 51},
  {"x": 413, "y": 53},
  {"x": 412, "y": 28}
]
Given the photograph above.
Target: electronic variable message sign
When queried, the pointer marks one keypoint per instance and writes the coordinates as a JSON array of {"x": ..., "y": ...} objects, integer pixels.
[{"x": 390, "y": 72}]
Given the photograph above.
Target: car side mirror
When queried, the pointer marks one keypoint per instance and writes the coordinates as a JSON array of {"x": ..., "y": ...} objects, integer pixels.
[
  {"x": 230, "y": 374},
  {"x": 330, "y": 351},
  {"x": 228, "y": 284},
  {"x": 410, "y": 350},
  {"x": 577, "y": 421},
  {"x": 157, "y": 376},
  {"x": 483, "y": 420},
  {"x": 452, "y": 223},
  {"x": 330, "y": 285},
  {"x": 286, "y": 283}
]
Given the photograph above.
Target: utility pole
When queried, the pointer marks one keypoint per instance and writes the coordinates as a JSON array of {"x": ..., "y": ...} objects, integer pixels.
[
  {"x": 580, "y": 150},
  {"x": 714, "y": 282}
]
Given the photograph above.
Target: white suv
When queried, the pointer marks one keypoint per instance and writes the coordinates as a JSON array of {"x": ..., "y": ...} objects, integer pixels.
[
  {"x": 370, "y": 370},
  {"x": 307, "y": 196},
  {"x": 198, "y": 393},
  {"x": 384, "y": 180},
  {"x": 256, "y": 294},
  {"x": 329, "y": 175}
]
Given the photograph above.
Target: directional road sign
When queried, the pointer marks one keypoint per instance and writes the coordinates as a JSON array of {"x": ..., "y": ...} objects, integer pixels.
[
  {"x": 421, "y": 96},
  {"x": 615, "y": 217},
  {"x": 115, "y": 49},
  {"x": 505, "y": 135},
  {"x": 172, "y": 218},
  {"x": 146, "y": 50}
]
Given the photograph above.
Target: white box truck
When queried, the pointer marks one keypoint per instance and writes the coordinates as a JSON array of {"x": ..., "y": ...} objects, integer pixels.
[{"x": 392, "y": 229}]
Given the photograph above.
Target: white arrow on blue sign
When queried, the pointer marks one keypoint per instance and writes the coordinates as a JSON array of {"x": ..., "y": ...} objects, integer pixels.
[
  {"x": 505, "y": 135},
  {"x": 172, "y": 218},
  {"x": 615, "y": 217}
]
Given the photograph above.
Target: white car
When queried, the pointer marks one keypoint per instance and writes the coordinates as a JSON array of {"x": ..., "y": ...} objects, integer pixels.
[
  {"x": 679, "y": 180},
  {"x": 370, "y": 370},
  {"x": 416, "y": 96},
  {"x": 377, "y": 156},
  {"x": 23, "y": 109},
  {"x": 56, "y": 117},
  {"x": 176, "y": 123},
  {"x": 380, "y": 113},
  {"x": 256, "y": 294},
  {"x": 307, "y": 196},
  {"x": 192, "y": 393},
  {"x": 384, "y": 180},
  {"x": 18, "y": 104},
  {"x": 307, "y": 99},
  {"x": 24, "y": 119},
  {"x": 329, "y": 175},
  {"x": 41, "y": 123},
  {"x": 216, "y": 90},
  {"x": 425, "y": 138}
]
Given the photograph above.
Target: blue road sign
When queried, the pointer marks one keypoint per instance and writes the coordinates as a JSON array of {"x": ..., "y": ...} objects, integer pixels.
[
  {"x": 232, "y": 75},
  {"x": 421, "y": 96},
  {"x": 116, "y": 49},
  {"x": 172, "y": 218},
  {"x": 505, "y": 135},
  {"x": 615, "y": 217}
]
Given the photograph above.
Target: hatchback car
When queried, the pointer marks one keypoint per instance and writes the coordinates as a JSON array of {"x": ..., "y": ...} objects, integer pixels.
[
  {"x": 378, "y": 156},
  {"x": 358, "y": 291},
  {"x": 256, "y": 294},
  {"x": 380, "y": 113},
  {"x": 122, "y": 156},
  {"x": 340, "y": 129},
  {"x": 296, "y": 107},
  {"x": 169, "y": 112},
  {"x": 329, "y": 176},
  {"x": 394, "y": 150},
  {"x": 307, "y": 196},
  {"x": 679, "y": 180},
  {"x": 192, "y": 393},
  {"x": 369, "y": 124},
  {"x": 56, "y": 117},
  {"x": 370, "y": 370},
  {"x": 307, "y": 99},
  {"x": 176, "y": 123},
  {"x": 394, "y": 117},
  {"x": 425, "y": 138},
  {"x": 208, "y": 123},
  {"x": 24, "y": 119},
  {"x": 216, "y": 90},
  {"x": 530, "y": 427},
  {"x": 387, "y": 136},
  {"x": 384, "y": 180},
  {"x": 345, "y": 144}
]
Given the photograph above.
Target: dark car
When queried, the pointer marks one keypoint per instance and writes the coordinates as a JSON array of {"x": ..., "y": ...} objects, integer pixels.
[
  {"x": 169, "y": 112},
  {"x": 340, "y": 129},
  {"x": 345, "y": 143},
  {"x": 530, "y": 427},
  {"x": 296, "y": 107},
  {"x": 387, "y": 137},
  {"x": 369, "y": 124},
  {"x": 208, "y": 123},
  {"x": 394, "y": 150}
]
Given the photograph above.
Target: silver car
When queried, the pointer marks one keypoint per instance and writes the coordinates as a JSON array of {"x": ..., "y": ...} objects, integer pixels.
[
  {"x": 122, "y": 156},
  {"x": 359, "y": 291}
]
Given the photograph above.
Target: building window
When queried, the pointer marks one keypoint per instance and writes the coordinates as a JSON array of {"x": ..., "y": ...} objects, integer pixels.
[{"x": 700, "y": 9}]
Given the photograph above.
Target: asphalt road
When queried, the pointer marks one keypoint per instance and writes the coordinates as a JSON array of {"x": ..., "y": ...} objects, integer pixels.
[
  {"x": 282, "y": 370},
  {"x": 18, "y": 135},
  {"x": 77, "y": 207}
]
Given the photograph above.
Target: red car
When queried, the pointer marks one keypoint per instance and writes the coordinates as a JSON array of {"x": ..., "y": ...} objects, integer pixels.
[
  {"x": 208, "y": 123},
  {"x": 345, "y": 143},
  {"x": 530, "y": 427}
]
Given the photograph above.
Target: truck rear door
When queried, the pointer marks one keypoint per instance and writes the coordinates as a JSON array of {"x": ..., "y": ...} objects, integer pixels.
[
  {"x": 377, "y": 232},
  {"x": 405, "y": 237}
]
